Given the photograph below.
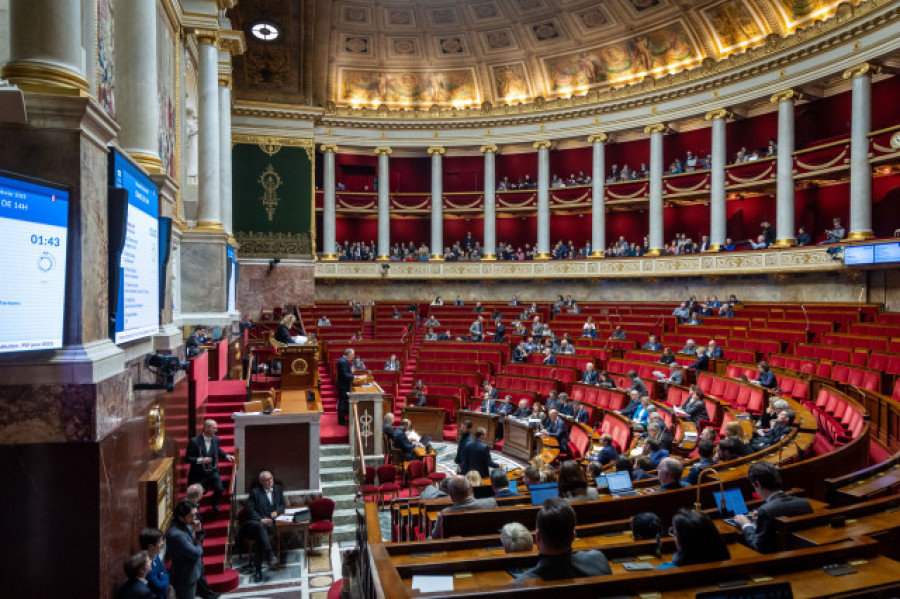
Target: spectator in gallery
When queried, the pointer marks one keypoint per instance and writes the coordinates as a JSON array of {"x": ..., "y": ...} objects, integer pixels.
[
  {"x": 802, "y": 236},
  {"x": 836, "y": 233},
  {"x": 759, "y": 244}
]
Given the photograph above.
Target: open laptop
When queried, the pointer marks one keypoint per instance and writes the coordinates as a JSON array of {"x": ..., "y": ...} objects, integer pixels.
[
  {"x": 733, "y": 502},
  {"x": 601, "y": 482},
  {"x": 543, "y": 491},
  {"x": 619, "y": 484}
]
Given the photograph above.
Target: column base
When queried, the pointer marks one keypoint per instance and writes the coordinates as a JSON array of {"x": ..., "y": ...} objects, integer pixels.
[
  {"x": 489, "y": 258},
  {"x": 784, "y": 243},
  {"x": 598, "y": 254},
  {"x": 151, "y": 163},
  {"x": 328, "y": 258},
  {"x": 208, "y": 226},
  {"x": 654, "y": 252},
  {"x": 32, "y": 76},
  {"x": 860, "y": 235},
  {"x": 383, "y": 258},
  {"x": 714, "y": 248},
  {"x": 436, "y": 258},
  {"x": 542, "y": 256}
]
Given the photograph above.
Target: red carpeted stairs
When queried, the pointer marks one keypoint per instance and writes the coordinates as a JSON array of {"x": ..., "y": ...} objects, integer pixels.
[
  {"x": 330, "y": 433},
  {"x": 225, "y": 398}
]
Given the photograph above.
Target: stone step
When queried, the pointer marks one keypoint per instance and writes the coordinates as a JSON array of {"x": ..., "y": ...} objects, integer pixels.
[
  {"x": 334, "y": 450},
  {"x": 340, "y": 489},
  {"x": 336, "y": 474}
]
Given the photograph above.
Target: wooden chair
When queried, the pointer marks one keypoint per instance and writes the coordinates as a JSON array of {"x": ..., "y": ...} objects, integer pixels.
[
  {"x": 367, "y": 486},
  {"x": 430, "y": 461},
  {"x": 387, "y": 478},
  {"x": 416, "y": 478},
  {"x": 320, "y": 513}
]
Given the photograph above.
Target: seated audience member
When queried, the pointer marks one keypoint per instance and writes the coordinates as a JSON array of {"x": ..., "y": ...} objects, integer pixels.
[
  {"x": 474, "y": 478},
  {"x": 523, "y": 410},
  {"x": 431, "y": 335},
  {"x": 608, "y": 451},
  {"x": 733, "y": 430},
  {"x": 589, "y": 329},
  {"x": 676, "y": 376},
  {"x": 515, "y": 538},
  {"x": 803, "y": 237},
  {"x": 727, "y": 310},
  {"x": 646, "y": 526},
  {"x": 152, "y": 540},
  {"x": 780, "y": 428},
  {"x": 392, "y": 364},
  {"x": 641, "y": 414},
  {"x": 624, "y": 464},
  {"x": 617, "y": 334},
  {"x": 759, "y": 244},
  {"x": 766, "y": 377},
  {"x": 642, "y": 468},
  {"x": 323, "y": 321},
  {"x": 652, "y": 344},
  {"x": 136, "y": 567},
  {"x": 667, "y": 356},
  {"x": 500, "y": 483},
  {"x": 194, "y": 341},
  {"x": 775, "y": 407},
  {"x": 694, "y": 407},
  {"x": 689, "y": 348},
  {"x": 681, "y": 312},
  {"x": 556, "y": 428},
  {"x": 759, "y": 530},
  {"x": 432, "y": 492},
  {"x": 556, "y": 561},
  {"x": 669, "y": 473},
  {"x": 590, "y": 376},
  {"x": 539, "y": 412},
  {"x": 702, "y": 362},
  {"x": 445, "y": 336},
  {"x": 634, "y": 404},
  {"x": 463, "y": 500},
  {"x": 653, "y": 450},
  {"x": 549, "y": 358},
  {"x": 264, "y": 504},
  {"x": 836, "y": 233},
  {"x": 606, "y": 381},
  {"x": 706, "y": 451},
  {"x": 697, "y": 539},
  {"x": 531, "y": 476},
  {"x": 657, "y": 429},
  {"x": 573, "y": 484},
  {"x": 580, "y": 413},
  {"x": 401, "y": 441},
  {"x": 713, "y": 350}
]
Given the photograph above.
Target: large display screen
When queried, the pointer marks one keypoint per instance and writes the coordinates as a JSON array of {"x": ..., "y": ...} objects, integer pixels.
[
  {"x": 879, "y": 253},
  {"x": 232, "y": 269},
  {"x": 33, "y": 236},
  {"x": 137, "y": 301},
  {"x": 887, "y": 252}
]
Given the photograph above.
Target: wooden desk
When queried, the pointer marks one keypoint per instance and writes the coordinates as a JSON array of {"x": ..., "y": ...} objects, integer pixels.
[
  {"x": 299, "y": 366},
  {"x": 869, "y": 525},
  {"x": 878, "y": 484},
  {"x": 518, "y": 439},
  {"x": 479, "y": 420},
  {"x": 300, "y": 529},
  {"x": 370, "y": 405},
  {"x": 426, "y": 421}
]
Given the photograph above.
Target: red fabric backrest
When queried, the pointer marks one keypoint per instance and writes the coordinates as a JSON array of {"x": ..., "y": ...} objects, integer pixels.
[
  {"x": 831, "y": 404},
  {"x": 786, "y": 384},
  {"x": 717, "y": 387},
  {"x": 578, "y": 392},
  {"x": 705, "y": 382},
  {"x": 840, "y": 407},
  {"x": 592, "y": 395},
  {"x": 896, "y": 392},
  {"x": 755, "y": 401},
  {"x": 840, "y": 373},
  {"x": 743, "y": 395},
  {"x": 871, "y": 381},
  {"x": 854, "y": 377},
  {"x": 617, "y": 400},
  {"x": 800, "y": 390}
]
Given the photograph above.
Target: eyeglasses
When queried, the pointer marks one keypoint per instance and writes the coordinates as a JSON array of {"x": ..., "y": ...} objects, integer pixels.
[{"x": 671, "y": 531}]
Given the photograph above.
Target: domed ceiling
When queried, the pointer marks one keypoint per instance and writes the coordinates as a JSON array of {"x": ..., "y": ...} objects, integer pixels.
[{"x": 463, "y": 53}]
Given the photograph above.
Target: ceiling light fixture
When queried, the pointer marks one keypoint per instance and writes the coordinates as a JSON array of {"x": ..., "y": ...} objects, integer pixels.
[{"x": 266, "y": 32}]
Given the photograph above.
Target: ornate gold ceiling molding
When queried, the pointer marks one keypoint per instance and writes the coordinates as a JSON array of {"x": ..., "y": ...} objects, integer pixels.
[{"x": 711, "y": 75}]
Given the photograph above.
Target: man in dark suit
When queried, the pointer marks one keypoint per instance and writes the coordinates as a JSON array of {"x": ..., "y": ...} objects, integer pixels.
[
  {"x": 556, "y": 428},
  {"x": 549, "y": 358},
  {"x": 183, "y": 547},
  {"x": 499, "y": 331},
  {"x": 489, "y": 391},
  {"x": 713, "y": 350},
  {"x": 387, "y": 427},
  {"x": 464, "y": 439},
  {"x": 633, "y": 405},
  {"x": 759, "y": 532},
  {"x": 556, "y": 560},
  {"x": 637, "y": 383},
  {"x": 344, "y": 383},
  {"x": 500, "y": 484},
  {"x": 477, "y": 456},
  {"x": 579, "y": 413},
  {"x": 590, "y": 376},
  {"x": 702, "y": 362},
  {"x": 264, "y": 504},
  {"x": 523, "y": 411},
  {"x": 780, "y": 428},
  {"x": 136, "y": 569},
  {"x": 194, "y": 341},
  {"x": 203, "y": 454},
  {"x": 402, "y": 442}
]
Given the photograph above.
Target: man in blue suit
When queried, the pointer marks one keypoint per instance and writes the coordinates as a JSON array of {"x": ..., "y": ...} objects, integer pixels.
[
  {"x": 183, "y": 542},
  {"x": 499, "y": 331},
  {"x": 477, "y": 456},
  {"x": 713, "y": 350},
  {"x": 590, "y": 376},
  {"x": 402, "y": 442},
  {"x": 579, "y": 413},
  {"x": 556, "y": 428},
  {"x": 137, "y": 567},
  {"x": 152, "y": 540}
]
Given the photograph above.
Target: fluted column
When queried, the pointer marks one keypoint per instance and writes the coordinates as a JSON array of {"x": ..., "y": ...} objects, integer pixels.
[
  {"x": 655, "y": 233},
  {"x": 437, "y": 200},
  {"x": 860, "y": 168},
  {"x": 784, "y": 195},
  {"x": 384, "y": 202},
  {"x": 137, "y": 102},
  {"x": 225, "y": 178},
  {"x": 329, "y": 243},
  {"x": 209, "y": 205},
  {"x": 598, "y": 203},
  {"x": 717, "y": 213},
  {"x": 490, "y": 198},
  {"x": 45, "y": 47},
  {"x": 543, "y": 200}
]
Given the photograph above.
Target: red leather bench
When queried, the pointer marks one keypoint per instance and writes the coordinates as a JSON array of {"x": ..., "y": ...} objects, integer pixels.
[
  {"x": 857, "y": 376},
  {"x": 856, "y": 341}
]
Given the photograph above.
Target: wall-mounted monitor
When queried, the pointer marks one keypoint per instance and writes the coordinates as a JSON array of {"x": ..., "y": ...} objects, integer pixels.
[
  {"x": 34, "y": 233},
  {"x": 231, "y": 268},
  {"x": 877, "y": 253},
  {"x": 134, "y": 251},
  {"x": 885, "y": 253}
]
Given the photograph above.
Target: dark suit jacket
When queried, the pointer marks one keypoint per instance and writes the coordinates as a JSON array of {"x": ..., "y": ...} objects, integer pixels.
[
  {"x": 696, "y": 410},
  {"x": 582, "y": 416},
  {"x": 761, "y": 536},
  {"x": 637, "y": 383},
  {"x": 344, "y": 374},
  {"x": 283, "y": 334},
  {"x": 558, "y": 431},
  {"x": 520, "y": 413},
  {"x": 196, "y": 449},
  {"x": 463, "y": 441},
  {"x": 186, "y": 555},
  {"x": 134, "y": 589},
  {"x": 402, "y": 442},
  {"x": 717, "y": 352},
  {"x": 569, "y": 565},
  {"x": 499, "y": 333},
  {"x": 493, "y": 394},
  {"x": 631, "y": 408},
  {"x": 259, "y": 506},
  {"x": 550, "y": 360},
  {"x": 477, "y": 456},
  {"x": 702, "y": 363},
  {"x": 591, "y": 377}
]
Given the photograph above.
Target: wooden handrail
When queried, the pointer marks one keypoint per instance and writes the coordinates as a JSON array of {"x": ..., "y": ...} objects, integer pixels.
[{"x": 361, "y": 473}]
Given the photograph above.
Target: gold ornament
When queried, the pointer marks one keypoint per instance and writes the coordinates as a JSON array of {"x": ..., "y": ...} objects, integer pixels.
[{"x": 271, "y": 181}]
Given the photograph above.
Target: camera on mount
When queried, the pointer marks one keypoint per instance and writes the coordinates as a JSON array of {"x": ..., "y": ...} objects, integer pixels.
[{"x": 165, "y": 367}]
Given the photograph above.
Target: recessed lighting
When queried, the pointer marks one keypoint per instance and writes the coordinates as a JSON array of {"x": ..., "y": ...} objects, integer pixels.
[{"x": 265, "y": 31}]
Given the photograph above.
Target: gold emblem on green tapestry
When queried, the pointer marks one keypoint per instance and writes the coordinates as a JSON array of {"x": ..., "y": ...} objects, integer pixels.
[{"x": 271, "y": 181}]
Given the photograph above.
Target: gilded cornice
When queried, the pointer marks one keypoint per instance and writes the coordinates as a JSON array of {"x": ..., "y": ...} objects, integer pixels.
[
  {"x": 206, "y": 36},
  {"x": 656, "y": 128},
  {"x": 325, "y": 148},
  {"x": 490, "y": 148},
  {"x": 232, "y": 41},
  {"x": 773, "y": 55},
  {"x": 287, "y": 112},
  {"x": 543, "y": 144},
  {"x": 268, "y": 140},
  {"x": 174, "y": 13}
]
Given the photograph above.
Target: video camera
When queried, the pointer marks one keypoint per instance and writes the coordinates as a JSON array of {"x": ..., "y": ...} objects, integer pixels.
[{"x": 164, "y": 366}]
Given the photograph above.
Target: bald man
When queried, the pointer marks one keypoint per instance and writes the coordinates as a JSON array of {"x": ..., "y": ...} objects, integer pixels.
[{"x": 203, "y": 454}]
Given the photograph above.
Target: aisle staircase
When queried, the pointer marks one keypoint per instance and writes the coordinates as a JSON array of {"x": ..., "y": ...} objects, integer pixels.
[{"x": 338, "y": 484}]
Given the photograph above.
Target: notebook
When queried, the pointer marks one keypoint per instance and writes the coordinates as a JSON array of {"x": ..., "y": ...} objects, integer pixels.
[
  {"x": 543, "y": 491},
  {"x": 619, "y": 484},
  {"x": 734, "y": 504}
]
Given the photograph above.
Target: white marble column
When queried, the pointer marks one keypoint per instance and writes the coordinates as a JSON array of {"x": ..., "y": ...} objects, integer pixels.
[
  {"x": 656, "y": 232},
  {"x": 860, "y": 168},
  {"x": 329, "y": 243},
  {"x": 490, "y": 198},
  {"x": 542, "y": 252},
  {"x": 384, "y": 203},
  {"x": 784, "y": 195},
  {"x": 45, "y": 47},
  {"x": 225, "y": 177},
  {"x": 137, "y": 95},
  {"x": 437, "y": 202},
  {"x": 209, "y": 205},
  {"x": 717, "y": 213},
  {"x": 598, "y": 202}
]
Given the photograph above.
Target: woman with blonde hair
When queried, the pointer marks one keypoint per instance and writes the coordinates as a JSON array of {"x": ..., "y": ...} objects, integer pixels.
[
  {"x": 283, "y": 332},
  {"x": 734, "y": 430},
  {"x": 474, "y": 478}
]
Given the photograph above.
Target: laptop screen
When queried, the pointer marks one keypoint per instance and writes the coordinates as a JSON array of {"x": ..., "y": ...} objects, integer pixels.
[
  {"x": 601, "y": 481},
  {"x": 618, "y": 482},
  {"x": 543, "y": 491},
  {"x": 734, "y": 502}
]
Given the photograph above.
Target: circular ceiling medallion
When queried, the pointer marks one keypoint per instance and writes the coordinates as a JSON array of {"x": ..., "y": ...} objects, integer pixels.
[{"x": 265, "y": 32}]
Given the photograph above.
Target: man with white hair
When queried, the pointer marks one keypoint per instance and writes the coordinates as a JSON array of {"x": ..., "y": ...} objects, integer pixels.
[
  {"x": 713, "y": 350},
  {"x": 463, "y": 500},
  {"x": 264, "y": 504},
  {"x": 590, "y": 376},
  {"x": 515, "y": 538}
]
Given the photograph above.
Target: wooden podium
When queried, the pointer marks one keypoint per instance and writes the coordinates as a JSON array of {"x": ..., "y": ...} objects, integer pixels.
[{"x": 299, "y": 366}]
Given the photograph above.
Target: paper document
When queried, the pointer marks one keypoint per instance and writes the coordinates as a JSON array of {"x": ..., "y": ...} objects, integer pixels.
[
  {"x": 285, "y": 518},
  {"x": 293, "y": 510},
  {"x": 432, "y": 584}
]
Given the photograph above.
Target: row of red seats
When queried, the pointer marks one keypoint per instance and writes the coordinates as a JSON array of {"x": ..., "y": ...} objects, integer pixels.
[
  {"x": 744, "y": 396},
  {"x": 838, "y": 417}
]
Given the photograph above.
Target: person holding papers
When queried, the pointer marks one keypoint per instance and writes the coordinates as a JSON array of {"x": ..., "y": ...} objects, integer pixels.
[{"x": 283, "y": 332}]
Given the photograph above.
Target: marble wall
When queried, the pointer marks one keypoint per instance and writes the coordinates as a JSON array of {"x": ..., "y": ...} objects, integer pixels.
[
  {"x": 260, "y": 287},
  {"x": 203, "y": 283}
]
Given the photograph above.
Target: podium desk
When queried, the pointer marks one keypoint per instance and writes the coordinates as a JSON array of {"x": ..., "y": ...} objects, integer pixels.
[
  {"x": 371, "y": 407},
  {"x": 479, "y": 420},
  {"x": 518, "y": 439},
  {"x": 285, "y": 442},
  {"x": 425, "y": 421}
]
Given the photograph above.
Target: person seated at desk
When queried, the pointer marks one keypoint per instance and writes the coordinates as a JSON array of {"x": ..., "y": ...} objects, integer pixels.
[
  {"x": 775, "y": 407},
  {"x": 694, "y": 407},
  {"x": 556, "y": 428},
  {"x": 323, "y": 321},
  {"x": 734, "y": 431},
  {"x": 500, "y": 483},
  {"x": 634, "y": 403},
  {"x": 653, "y": 449},
  {"x": 564, "y": 408},
  {"x": 136, "y": 567},
  {"x": 759, "y": 530},
  {"x": 573, "y": 485},
  {"x": 780, "y": 428},
  {"x": 580, "y": 413},
  {"x": 197, "y": 338},
  {"x": 706, "y": 450},
  {"x": 676, "y": 376},
  {"x": 417, "y": 398},
  {"x": 713, "y": 350},
  {"x": 549, "y": 358},
  {"x": 432, "y": 492},
  {"x": 523, "y": 412},
  {"x": 515, "y": 538},
  {"x": 608, "y": 453},
  {"x": 689, "y": 348},
  {"x": 431, "y": 335},
  {"x": 393, "y": 364},
  {"x": 590, "y": 376},
  {"x": 476, "y": 455},
  {"x": 555, "y": 533},
  {"x": 652, "y": 344},
  {"x": 152, "y": 541},
  {"x": 283, "y": 332},
  {"x": 265, "y": 503},
  {"x": 669, "y": 474},
  {"x": 640, "y": 415},
  {"x": 403, "y": 443},
  {"x": 701, "y": 364},
  {"x": 667, "y": 357},
  {"x": 445, "y": 336},
  {"x": 766, "y": 377},
  {"x": 697, "y": 539},
  {"x": 539, "y": 413},
  {"x": 618, "y": 334},
  {"x": 431, "y": 321},
  {"x": 646, "y": 526},
  {"x": 387, "y": 427},
  {"x": 463, "y": 501},
  {"x": 606, "y": 381}
]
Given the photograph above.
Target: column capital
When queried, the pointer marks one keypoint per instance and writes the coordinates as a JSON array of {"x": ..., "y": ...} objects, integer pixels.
[
  {"x": 325, "y": 148},
  {"x": 718, "y": 113},
  {"x": 862, "y": 70},
  {"x": 490, "y": 148},
  {"x": 232, "y": 41},
  {"x": 383, "y": 150},
  {"x": 225, "y": 80},
  {"x": 598, "y": 137},
  {"x": 206, "y": 36},
  {"x": 436, "y": 150},
  {"x": 543, "y": 144},
  {"x": 656, "y": 128},
  {"x": 788, "y": 94}
]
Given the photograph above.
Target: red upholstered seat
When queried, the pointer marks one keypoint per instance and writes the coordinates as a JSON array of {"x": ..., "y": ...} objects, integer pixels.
[
  {"x": 387, "y": 476},
  {"x": 415, "y": 472},
  {"x": 431, "y": 471},
  {"x": 368, "y": 487},
  {"x": 320, "y": 512}
]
